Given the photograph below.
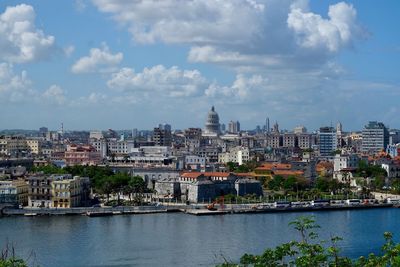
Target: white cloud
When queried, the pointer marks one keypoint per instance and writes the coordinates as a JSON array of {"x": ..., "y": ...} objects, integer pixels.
[
  {"x": 20, "y": 41},
  {"x": 55, "y": 94},
  {"x": 172, "y": 82},
  {"x": 312, "y": 31},
  {"x": 194, "y": 21},
  {"x": 251, "y": 36},
  {"x": 99, "y": 60},
  {"x": 13, "y": 87}
]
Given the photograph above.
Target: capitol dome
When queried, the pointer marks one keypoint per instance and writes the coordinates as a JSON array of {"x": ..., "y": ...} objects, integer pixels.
[{"x": 212, "y": 123}]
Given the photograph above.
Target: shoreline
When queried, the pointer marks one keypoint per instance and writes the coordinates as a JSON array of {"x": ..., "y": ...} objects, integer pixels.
[{"x": 190, "y": 210}]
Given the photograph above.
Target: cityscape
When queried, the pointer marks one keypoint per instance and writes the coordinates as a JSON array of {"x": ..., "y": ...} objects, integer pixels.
[{"x": 199, "y": 133}]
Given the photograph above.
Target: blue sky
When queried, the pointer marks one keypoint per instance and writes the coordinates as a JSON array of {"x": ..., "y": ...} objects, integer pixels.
[{"x": 133, "y": 64}]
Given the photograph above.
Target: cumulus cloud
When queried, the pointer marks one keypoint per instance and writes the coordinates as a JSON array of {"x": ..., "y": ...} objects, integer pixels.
[
  {"x": 312, "y": 31},
  {"x": 99, "y": 60},
  {"x": 194, "y": 21},
  {"x": 20, "y": 40},
  {"x": 250, "y": 35},
  {"x": 13, "y": 87},
  {"x": 55, "y": 94},
  {"x": 172, "y": 82}
]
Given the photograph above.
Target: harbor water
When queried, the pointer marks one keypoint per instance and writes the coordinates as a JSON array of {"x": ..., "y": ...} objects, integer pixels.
[{"x": 176, "y": 239}]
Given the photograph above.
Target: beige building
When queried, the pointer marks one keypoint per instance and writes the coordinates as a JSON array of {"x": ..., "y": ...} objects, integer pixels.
[
  {"x": 68, "y": 192},
  {"x": 13, "y": 145},
  {"x": 236, "y": 154},
  {"x": 57, "y": 191},
  {"x": 33, "y": 146}
]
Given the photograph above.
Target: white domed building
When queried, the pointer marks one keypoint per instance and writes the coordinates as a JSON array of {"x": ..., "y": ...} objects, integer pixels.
[{"x": 212, "y": 127}]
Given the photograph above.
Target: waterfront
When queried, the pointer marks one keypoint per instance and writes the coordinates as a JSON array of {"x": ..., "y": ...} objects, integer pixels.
[{"x": 181, "y": 240}]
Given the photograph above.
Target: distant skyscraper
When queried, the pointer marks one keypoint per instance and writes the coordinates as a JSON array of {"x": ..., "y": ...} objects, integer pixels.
[
  {"x": 267, "y": 128},
  {"x": 375, "y": 137},
  {"x": 234, "y": 127},
  {"x": 327, "y": 141},
  {"x": 212, "y": 126}
]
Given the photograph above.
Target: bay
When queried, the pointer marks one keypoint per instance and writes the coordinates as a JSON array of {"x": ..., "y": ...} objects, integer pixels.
[{"x": 177, "y": 239}]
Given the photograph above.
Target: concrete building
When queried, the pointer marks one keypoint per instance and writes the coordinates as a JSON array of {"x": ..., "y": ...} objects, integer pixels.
[
  {"x": 327, "y": 141},
  {"x": 300, "y": 129},
  {"x": 68, "y": 192},
  {"x": 237, "y": 154},
  {"x": 375, "y": 137},
  {"x": 14, "y": 192},
  {"x": 82, "y": 155},
  {"x": 290, "y": 140},
  {"x": 304, "y": 141},
  {"x": 192, "y": 139},
  {"x": 162, "y": 135},
  {"x": 34, "y": 145},
  {"x": 212, "y": 127},
  {"x": 345, "y": 161},
  {"x": 57, "y": 191},
  {"x": 39, "y": 194},
  {"x": 274, "y": 140},
  {"x": 198, "y": 187},
  {"x": 13, "y": 146},
  {"x": 392, "y": 169},
  {"x": 234, "y": 127}
]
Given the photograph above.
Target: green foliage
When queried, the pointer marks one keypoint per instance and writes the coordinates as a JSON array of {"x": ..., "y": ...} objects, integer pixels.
[
  {"x": 49, "y": 169},
  {"x": 366, "y": 170},
  {"x": 310, "y": 251},
  {"x": 248, "y": 166},
  {"x": 12, "y": 262}
]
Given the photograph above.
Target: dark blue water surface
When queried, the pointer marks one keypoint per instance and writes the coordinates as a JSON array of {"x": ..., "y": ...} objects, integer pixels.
[{"x": 177, "y": 239}]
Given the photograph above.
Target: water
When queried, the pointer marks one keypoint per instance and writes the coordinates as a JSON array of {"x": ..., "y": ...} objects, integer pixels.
[{"x": 182, "y": 240}]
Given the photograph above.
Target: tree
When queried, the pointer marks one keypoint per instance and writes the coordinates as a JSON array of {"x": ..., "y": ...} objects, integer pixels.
[{"x": 137, "y": 186}]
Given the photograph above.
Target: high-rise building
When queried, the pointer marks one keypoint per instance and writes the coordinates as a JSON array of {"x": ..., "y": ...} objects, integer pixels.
[
  {"x": 327, "y": 141},
  {"x": 234, "y": 127},
  {"x": 339, "y": 134},
  {"x": 212, "y": 126},
  {"x": 162, "y": 136},
  {"x": 375, "y": 137},
  {"x": 267, "y": 128}
]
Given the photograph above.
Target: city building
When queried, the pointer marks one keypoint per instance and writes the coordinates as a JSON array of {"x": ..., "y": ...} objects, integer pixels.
[
  {"x": 300, "y": 129},
  {"x": 290, "y": 140},
  {"x": 327, "y": 141},
  {"x": 203, "y": 187},
  {"x": 375, "y": 137},
  {"x": 162, "y": 135},
  {"x": 68, "y": 192},
  {"x": 82, "y": 155},
  {"x": 234, "y": 127},
  {"x": 14, "y": 192},
  {"x": 237, "y": 155},
  {"x": 57, "y": 191}
]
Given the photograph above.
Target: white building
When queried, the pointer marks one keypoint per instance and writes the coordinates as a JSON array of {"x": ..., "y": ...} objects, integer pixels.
[{"x": 237, "y": 154}]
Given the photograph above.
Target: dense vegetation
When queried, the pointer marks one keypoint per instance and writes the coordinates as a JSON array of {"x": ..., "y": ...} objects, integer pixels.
[{"x": 309, "y": 250}]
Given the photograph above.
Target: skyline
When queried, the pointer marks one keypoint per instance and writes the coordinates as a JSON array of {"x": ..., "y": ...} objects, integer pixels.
[{"x": 140, "y": 64}]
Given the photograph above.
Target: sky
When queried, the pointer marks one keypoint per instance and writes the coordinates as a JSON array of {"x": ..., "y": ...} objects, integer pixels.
[{"x": 120, "y": 64}]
